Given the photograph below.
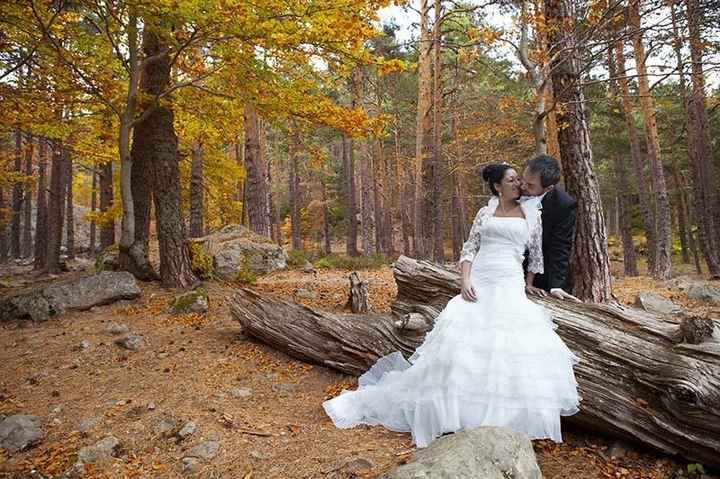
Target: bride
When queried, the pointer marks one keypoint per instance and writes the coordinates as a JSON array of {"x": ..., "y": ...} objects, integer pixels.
[{"x": 493, "y": 357}]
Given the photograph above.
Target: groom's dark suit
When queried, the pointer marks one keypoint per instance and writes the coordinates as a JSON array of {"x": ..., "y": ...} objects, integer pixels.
[{"x": 558, "y": 222}]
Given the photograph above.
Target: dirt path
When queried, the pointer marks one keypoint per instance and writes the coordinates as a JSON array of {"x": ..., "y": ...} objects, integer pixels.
[{"x": 262, "y": 406}]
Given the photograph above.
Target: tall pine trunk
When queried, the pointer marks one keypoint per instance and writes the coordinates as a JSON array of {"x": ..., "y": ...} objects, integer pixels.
[
  {"x": 294, "y": 188},
  {"x": 17, "y": 200},
  {"x": 69, "y": 209},
  {"x": 41, "y": 212},
  {"x": 437, "y": 95},
  {"x": 26, "y": 247},
  {"x": 256, "y": 189},
  {"x": 159, "y": 136},
  {"x": 424, "y": 174},
  {"x": 197, "y": 192},
  {"x": 589, "y": 263},
  {"x": 56, "y": 210},
  {"x": 663, "y": 251},
  {"x": 350, "y": 197},
  {"x": 93, "y": 208},
  {"x": 706, "y": 199},
  {"x": 646, "y": 210},
  {"x": 107, "y": 228},
  {"x": 4, "y": 246}
]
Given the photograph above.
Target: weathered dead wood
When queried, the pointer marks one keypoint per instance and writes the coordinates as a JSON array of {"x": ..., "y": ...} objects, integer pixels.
[
  {"x": 359, "y": 299},
  {"x": 635, "y": 380}
]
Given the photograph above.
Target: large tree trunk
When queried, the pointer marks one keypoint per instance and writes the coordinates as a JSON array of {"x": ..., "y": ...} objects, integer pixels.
[
  {"x": 41, "y": 212},
  {"x": 589, "y": 263},
  {"x": 107, "y": 227},
  {"x": 646, "y": 211},
  {"x": 93, "y": 209},
  {"x": 26, "y": 247},
  {"x": 56, "y": 203},
  {"x": 158, "y": 135},
  {"x": 663, "y": 251},
  {"x": 706, "y": 200},
  {"x": 624, "y": 191},
  {"x": 636, "y": 379},
  {"x": 423, "y": 210},
  {"x": 437, "y": 105},
  {"x": 348, "y": 172},
  {"x": 4, "y": 246},
  {"x": 69, "y": 210},
  {"x": 294, "y": 189},
  {"x": 197, "y": 192},
  {"x": 17, "y": 200},
  {"x": 256, "y": 188},
  {"x": 367, "y": 213}
]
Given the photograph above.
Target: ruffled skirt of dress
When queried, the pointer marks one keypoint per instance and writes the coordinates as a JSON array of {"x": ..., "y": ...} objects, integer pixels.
[{"x": 494, "y": 362}]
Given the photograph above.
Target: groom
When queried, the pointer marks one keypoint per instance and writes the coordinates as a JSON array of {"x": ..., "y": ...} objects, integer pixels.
[{"x": 540, "y": 178}]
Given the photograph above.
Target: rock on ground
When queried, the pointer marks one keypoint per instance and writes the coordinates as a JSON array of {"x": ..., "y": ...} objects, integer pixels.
[
  {"x": 654, "y": 303},
  {"x": 696, "y": 288},
  {"x": 205, "y": 450},
  {"x": 195, "y": 301},
  {"x": 235, "y": 248},
  {"x": 105, "y": 449},
  {"x": 19, "y": 432},
  {"x": 131, "y": 342},
  {"x": 482, "y": 453},
  {"x": 76, "y": 294}
]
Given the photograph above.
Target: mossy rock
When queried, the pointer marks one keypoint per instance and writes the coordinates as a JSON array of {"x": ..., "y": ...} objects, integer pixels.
[
  {"x": 108, "y": 260},
  {"x": 195, "y": 301},
  {"x": 203, "y": 264}
]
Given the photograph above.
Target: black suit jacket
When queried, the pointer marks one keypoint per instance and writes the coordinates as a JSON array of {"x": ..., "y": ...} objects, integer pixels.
[{"x": 558, "y": 221}]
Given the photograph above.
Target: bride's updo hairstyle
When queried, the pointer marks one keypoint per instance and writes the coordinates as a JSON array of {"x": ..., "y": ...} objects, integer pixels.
[{"x": 494, "y": 174}]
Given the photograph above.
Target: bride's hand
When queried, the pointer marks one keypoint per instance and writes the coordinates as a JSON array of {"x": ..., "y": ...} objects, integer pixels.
[{"x": 467, "y": 291}]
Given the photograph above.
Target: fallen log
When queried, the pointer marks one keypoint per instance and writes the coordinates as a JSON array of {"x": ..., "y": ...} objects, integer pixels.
[{"x": 637, "y": 382}]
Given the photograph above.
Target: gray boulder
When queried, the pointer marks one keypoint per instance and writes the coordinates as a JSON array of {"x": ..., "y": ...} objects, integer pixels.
[
  {"x": 131, "y": 342},
  {"x": 696, "y": 288},
  {"x": 105, "y": 449},
  {"x": 108, "y": 260},
  {"x": 482, "y": 453},
  {"x": 76, "y": 294},
  {"x": 235, "y": 248},
  {"x": 654, "y": 303},
  {"x": 19, "y": 432},
  {"x": 205, "y": 450}
]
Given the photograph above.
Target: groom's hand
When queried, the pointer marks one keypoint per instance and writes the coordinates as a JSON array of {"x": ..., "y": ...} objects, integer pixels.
[
  {"x": 559, "y": 293},
  {"x": 532, "y": 290}
]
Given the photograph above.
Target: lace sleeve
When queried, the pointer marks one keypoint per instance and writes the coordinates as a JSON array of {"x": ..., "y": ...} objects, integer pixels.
[
  {"x": 535, "y": 254},
  {"x": 472, "y": 245}
]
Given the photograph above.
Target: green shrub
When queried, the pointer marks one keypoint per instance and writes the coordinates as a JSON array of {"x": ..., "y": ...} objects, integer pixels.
[
  {"x": 297, "y": 258},
  {"x": 244, "y": 274},
  {"x": 336, "y": 261}
]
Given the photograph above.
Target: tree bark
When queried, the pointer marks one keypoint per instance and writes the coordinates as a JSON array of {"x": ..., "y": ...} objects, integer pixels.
[
  {"x": 706, "y": 200},
  {"x": 17, "y": 200},
  {"x": 41, "y": 212},
  {"x": 638, "y": 378},
  {"x": 256, "y": 189},
  {"x": 359, "y": 297},
  {"x": 56, "y": 203},
  {"x": 681, "y": 208},
  {"x": 107, "y": 228},
  {"x": 69, "y": 210},
  {"x": 437, "y": 157},
  {"x": 663, "y": 251},
  {"x": 93, "y": 208},
  {"x": 350, "y": 197},
  {"x": 646, "y": 211},
  {"x": 197, "y": 192},
  {"x": 294, "y": 189},
  {"x": 26, "y": 247},
  {"x": 158, "y": 136},
  {"x": 4, "y": 246},
  {"x": 424, "y": 172},
  {"x": 589, "y": 262},
  {"x": 622, "y": 185},
  {"x": 367, "y": 213}
]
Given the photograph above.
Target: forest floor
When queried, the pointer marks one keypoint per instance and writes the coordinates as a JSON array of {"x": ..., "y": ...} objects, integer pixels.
[{"x": 262, "y": 406}]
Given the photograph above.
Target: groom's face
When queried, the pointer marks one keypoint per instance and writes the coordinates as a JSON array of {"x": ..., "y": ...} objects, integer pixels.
[{"x": 531, "y": 184}]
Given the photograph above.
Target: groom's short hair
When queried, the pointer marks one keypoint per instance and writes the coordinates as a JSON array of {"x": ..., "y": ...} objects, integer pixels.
[{"x": 547, "y": 167}]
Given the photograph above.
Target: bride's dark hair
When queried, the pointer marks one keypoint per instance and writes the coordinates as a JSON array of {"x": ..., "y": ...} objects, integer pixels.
[{"x": 494, "y": 174}]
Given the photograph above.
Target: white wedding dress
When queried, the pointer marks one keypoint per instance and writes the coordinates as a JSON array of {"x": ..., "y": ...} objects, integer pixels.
[{"x": 494, "y": 362}]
